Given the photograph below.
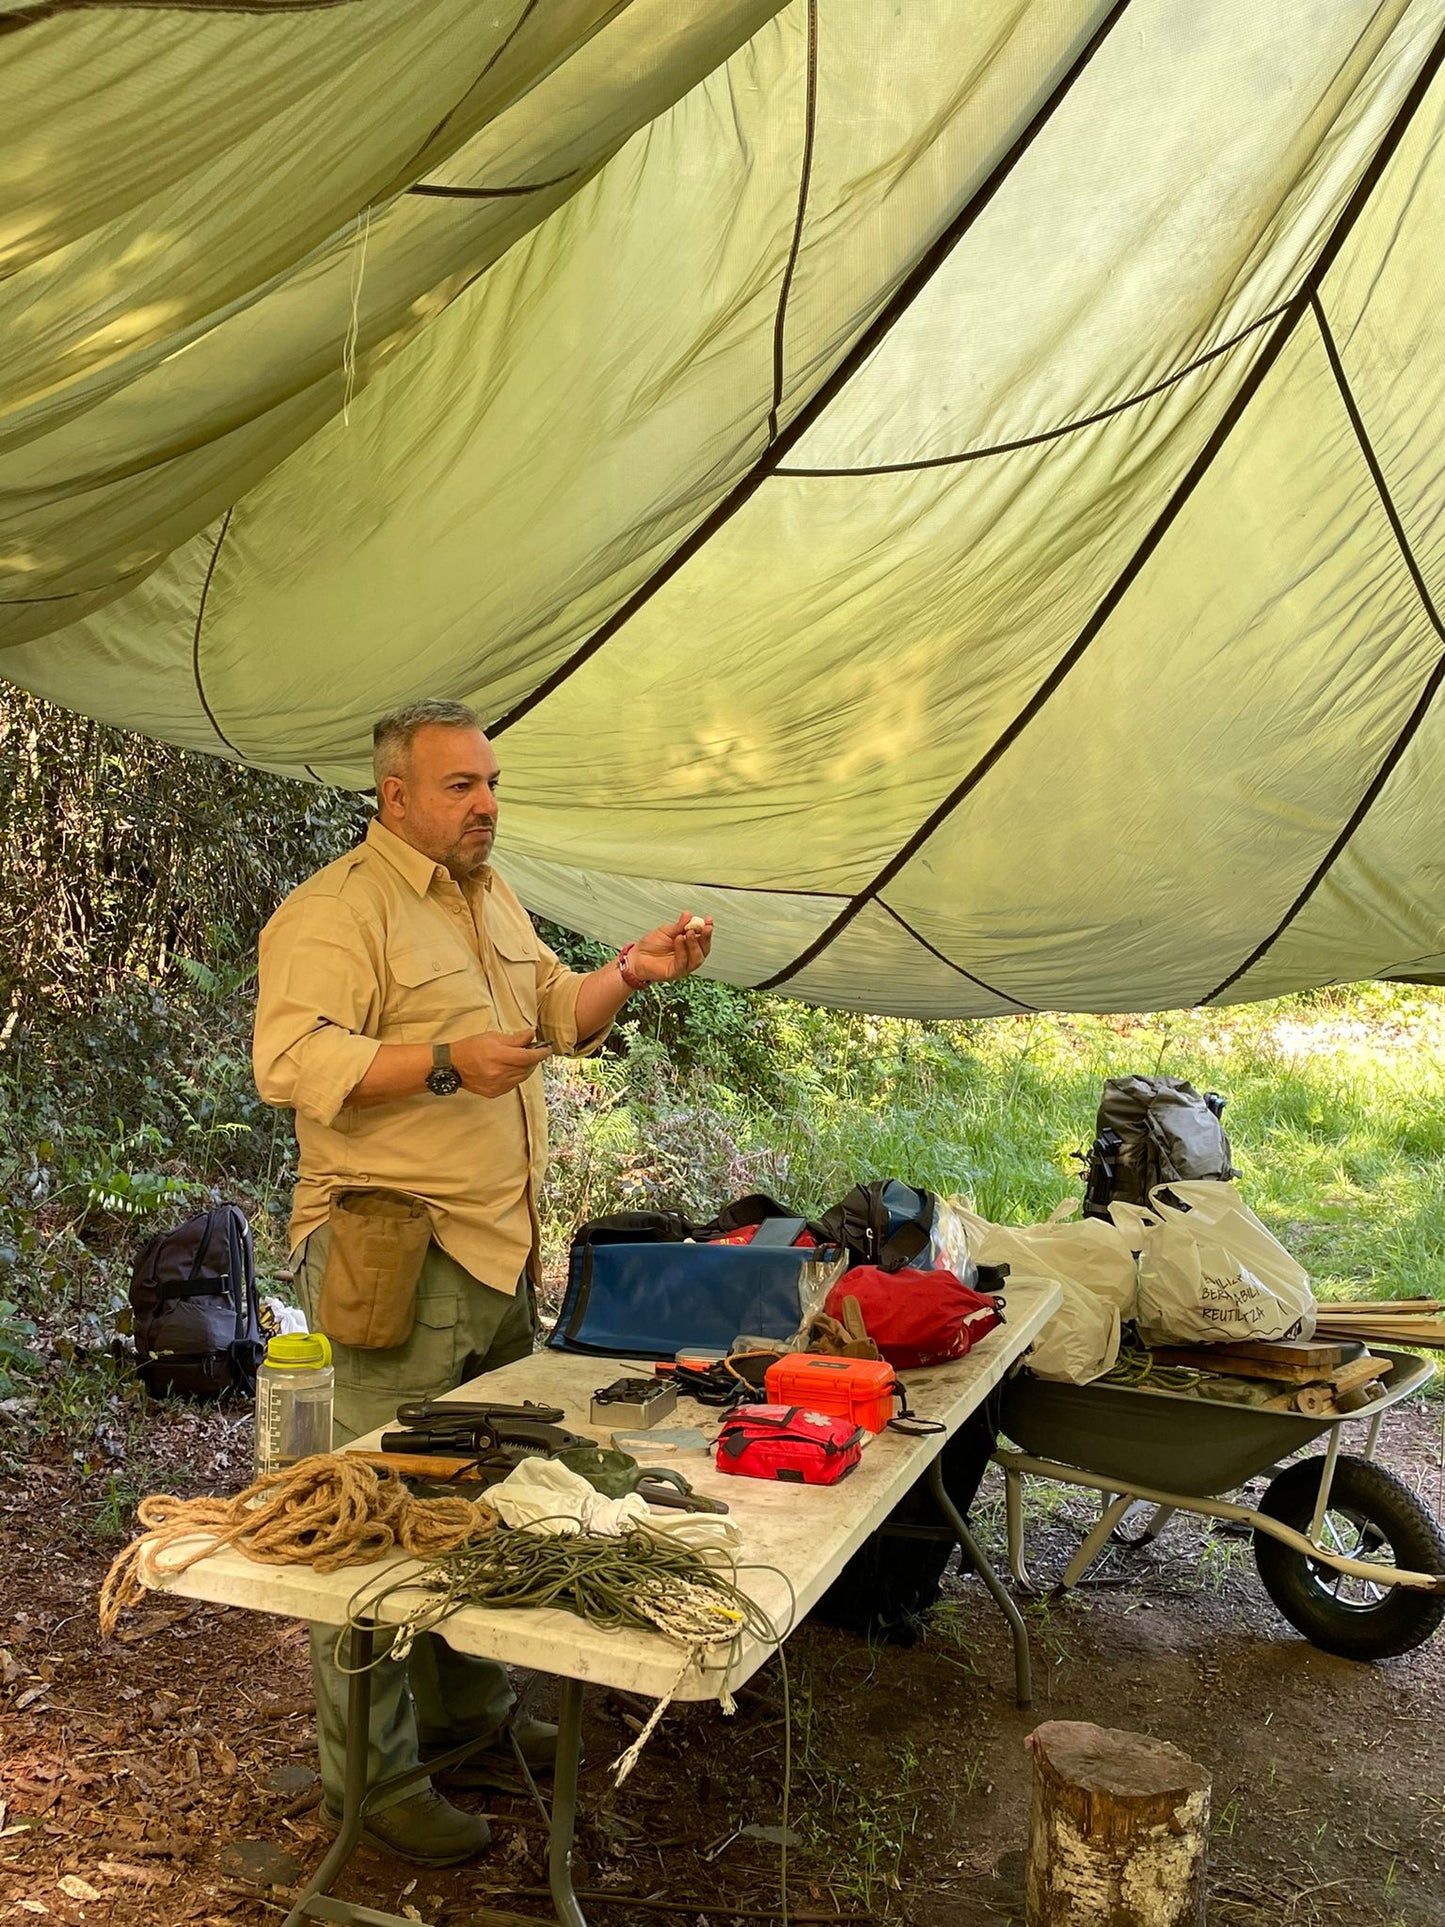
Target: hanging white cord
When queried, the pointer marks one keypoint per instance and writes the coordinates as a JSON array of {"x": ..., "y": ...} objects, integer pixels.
[{"x": 348, "y": 350}]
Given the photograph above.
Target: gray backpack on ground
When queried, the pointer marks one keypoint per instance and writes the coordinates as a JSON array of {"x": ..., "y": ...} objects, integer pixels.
[{"x": 1152, "y": 1130}]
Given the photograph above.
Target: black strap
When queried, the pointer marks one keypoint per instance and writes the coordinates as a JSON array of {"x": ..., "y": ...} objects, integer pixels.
[
  {"x": 203, "y": 1246},
  {"x": 908, "y": 1421},
  {"x": 735, "y": 1442},
  {"x": 193, "y": 1287}
]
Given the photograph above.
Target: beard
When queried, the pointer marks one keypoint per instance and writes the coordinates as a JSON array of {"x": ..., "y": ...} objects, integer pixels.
[{"x": 467, "y": 857}]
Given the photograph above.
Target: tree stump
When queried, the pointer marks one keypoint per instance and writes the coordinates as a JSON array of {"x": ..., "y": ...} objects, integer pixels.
[{"x": 1118, "y": 1830}]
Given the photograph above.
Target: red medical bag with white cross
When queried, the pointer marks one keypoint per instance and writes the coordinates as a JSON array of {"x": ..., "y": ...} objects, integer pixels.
[{"x": 789, "y": 1443}]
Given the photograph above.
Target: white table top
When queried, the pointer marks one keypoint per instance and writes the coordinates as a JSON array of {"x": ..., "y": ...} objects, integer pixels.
[{"x": 807, "y": 1532}]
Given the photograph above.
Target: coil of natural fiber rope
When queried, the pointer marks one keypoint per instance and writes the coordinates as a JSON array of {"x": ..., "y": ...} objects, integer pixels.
[{"x": 326, "y": 1512}]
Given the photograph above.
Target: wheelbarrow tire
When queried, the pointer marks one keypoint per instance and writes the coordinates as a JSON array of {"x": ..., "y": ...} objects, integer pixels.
[{"x": 1404, "y": 1532}]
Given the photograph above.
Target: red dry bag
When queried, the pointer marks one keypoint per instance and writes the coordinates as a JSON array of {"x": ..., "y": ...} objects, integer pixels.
[{"x": 917, "y": 1317}]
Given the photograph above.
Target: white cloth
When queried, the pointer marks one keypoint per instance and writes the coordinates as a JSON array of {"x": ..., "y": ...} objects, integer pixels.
[{"x": 543, "y": 1496}]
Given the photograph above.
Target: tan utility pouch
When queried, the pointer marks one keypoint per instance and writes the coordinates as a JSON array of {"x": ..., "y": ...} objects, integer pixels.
[{"x": 368, "y": 1289}]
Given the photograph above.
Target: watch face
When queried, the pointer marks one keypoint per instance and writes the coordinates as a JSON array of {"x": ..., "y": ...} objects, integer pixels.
[{"x": 442, "y": 1081}]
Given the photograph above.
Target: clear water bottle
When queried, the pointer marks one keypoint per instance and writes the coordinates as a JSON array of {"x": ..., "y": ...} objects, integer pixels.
[{"x": 294, "y": 1389}]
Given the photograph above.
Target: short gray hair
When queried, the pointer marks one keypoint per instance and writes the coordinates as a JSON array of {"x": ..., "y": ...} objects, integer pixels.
[{"x": 392, "y": 736}]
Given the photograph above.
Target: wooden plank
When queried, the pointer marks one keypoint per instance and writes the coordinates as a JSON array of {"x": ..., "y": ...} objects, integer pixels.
[
  {"x": 1336, "y": 1398},
  {"x": 1429, "y": 1336},
  {"x": 1390, "y": 1331},
  {"x": 1360, "y": 1371},
  {"x": 1368, "y": 1307},
  {"x": 1323, "y": 1354},
  {"x": 1223, "y": 1358}
]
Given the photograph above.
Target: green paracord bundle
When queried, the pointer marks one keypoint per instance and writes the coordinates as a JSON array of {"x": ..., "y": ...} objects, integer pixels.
[
  {"x": 640, "y": 1580},
  {"x": 1137, "y": 1366}
]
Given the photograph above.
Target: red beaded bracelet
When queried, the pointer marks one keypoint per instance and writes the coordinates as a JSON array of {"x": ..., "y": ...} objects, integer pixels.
[{"x": 630, "y": 978}]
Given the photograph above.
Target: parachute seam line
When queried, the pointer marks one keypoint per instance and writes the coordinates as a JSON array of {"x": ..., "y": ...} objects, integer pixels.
[
  {"x": 1050, "y": 434},
  {"x": 898, "y": 304},
  {"x": 1150, "y": 541},
  {"x": 805, "y": 175},
  {"x": 766, "y": 890},
  {"x": 1423, "y": 702},
  {"x": 69, "y": 595},
  {"x": 933, "y": 950},
  {"x": 52, "y": 9},
  {"x": 312, "y": 774},
  {"x": 490, "y": 193},
  {"x": 196, "y": 637},
  {"x": 528, "y": 8},
  {"x": 1295, "y": 308}
]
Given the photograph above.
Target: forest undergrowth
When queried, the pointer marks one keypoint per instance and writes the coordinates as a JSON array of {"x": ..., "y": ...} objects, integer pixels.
[{"x": 126, "y": 1099}]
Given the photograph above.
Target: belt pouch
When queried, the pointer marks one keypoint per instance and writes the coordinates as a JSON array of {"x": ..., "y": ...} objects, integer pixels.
[{"x": 379, "y": 1241}]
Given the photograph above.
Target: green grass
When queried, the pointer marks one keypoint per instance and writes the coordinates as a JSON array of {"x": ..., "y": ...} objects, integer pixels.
[{"x": 1336, "y": 1112}]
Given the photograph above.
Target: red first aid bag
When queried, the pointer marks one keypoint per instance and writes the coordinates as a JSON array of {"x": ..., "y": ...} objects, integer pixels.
[
  {"x": 917, "y": 1317},
  {"x": 786, "y": 1442}
]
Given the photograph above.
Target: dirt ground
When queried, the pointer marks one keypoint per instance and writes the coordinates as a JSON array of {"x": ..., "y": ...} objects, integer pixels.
[{"x": 167, "y": 1775}]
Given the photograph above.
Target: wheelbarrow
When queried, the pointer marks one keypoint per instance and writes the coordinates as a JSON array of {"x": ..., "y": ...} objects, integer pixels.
[{"x": 1349, "y": 1554}]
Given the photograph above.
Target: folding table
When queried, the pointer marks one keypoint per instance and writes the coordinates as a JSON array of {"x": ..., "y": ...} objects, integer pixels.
[{"x": 807, "y": 1533}]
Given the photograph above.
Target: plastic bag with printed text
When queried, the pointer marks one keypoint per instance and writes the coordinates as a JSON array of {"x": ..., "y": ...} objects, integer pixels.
[{"x": 1210, "y": 1273}]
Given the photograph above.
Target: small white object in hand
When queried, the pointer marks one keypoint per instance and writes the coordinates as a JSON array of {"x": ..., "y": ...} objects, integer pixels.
[{"x": 696, "y": 923}]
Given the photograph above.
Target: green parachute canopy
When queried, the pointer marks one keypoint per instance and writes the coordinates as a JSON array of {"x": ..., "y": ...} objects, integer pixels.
[{"x": 950, "y": 488}]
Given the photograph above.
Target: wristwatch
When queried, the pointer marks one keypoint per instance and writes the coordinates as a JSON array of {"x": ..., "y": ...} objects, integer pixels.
[{"x": 442, "y": 1079}]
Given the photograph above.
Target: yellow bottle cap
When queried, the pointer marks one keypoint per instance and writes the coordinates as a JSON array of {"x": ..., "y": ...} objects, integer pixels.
[{"x": 294, "y": 1351}]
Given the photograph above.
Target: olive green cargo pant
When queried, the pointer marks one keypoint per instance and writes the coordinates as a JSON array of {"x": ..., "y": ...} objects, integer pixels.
[{"x": 439, "y": 1697}]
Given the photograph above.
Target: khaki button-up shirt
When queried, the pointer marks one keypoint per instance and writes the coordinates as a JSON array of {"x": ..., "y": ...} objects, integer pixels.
[{"x": 384, "y": 947}]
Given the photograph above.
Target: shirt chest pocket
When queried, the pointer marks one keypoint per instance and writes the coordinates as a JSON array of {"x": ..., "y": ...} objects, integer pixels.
[
  {"x": 516, "y": 953},
  {"x": 436, "y": 994}
]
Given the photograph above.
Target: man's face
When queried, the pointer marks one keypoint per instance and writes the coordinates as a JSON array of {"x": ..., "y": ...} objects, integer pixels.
[{"x": 446, "y": 803}]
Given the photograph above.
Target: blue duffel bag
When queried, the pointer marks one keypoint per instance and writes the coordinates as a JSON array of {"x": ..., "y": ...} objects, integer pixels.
[{"x": 640, "y": 1285}]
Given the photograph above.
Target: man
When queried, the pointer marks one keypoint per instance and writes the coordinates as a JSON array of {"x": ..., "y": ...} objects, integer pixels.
[{"x": 405, "y": 1007}]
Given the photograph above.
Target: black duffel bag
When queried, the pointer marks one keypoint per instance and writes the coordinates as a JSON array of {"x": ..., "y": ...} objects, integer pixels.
[{"x": 887, "y": 1588}]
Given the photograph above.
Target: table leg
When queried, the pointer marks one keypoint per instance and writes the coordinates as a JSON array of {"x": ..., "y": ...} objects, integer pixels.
[
  {"x": 1023, "y": 1672},
  {"x": 564, "y": 1804},
  {"x": 359, "y": 1648}
]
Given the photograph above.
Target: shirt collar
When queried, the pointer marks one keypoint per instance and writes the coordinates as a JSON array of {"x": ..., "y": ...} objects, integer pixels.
[{"x": 415, "y": 867}]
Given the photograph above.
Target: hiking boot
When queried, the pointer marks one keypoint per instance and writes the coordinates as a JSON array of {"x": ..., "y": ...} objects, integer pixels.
[
  {"x": 425, "y": 1829},
  {"x": 495, "y": 1765}
]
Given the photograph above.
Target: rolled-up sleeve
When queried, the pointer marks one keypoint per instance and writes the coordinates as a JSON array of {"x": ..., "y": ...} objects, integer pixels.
[
  {"x": 557, "y": 989},
  {"x": 317, "y": 996}
]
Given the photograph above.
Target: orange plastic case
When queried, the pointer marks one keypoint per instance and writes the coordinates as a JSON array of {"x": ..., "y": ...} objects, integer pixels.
[{"x": 857, "y": 1389}]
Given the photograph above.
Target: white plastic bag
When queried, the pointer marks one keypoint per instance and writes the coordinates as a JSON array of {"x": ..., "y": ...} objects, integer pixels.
[
  {"x": 1093, "y": 1262},
  {"x": 1080, "y": 1342},
  {"x": 1213, "y": 1274},
  {"x": 1086, "y": 1254}
]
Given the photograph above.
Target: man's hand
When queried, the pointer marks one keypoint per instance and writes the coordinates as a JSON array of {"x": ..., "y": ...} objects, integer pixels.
[
  {"x": 496, "y": 1061},
  {"x": 671, "y": 951}
]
